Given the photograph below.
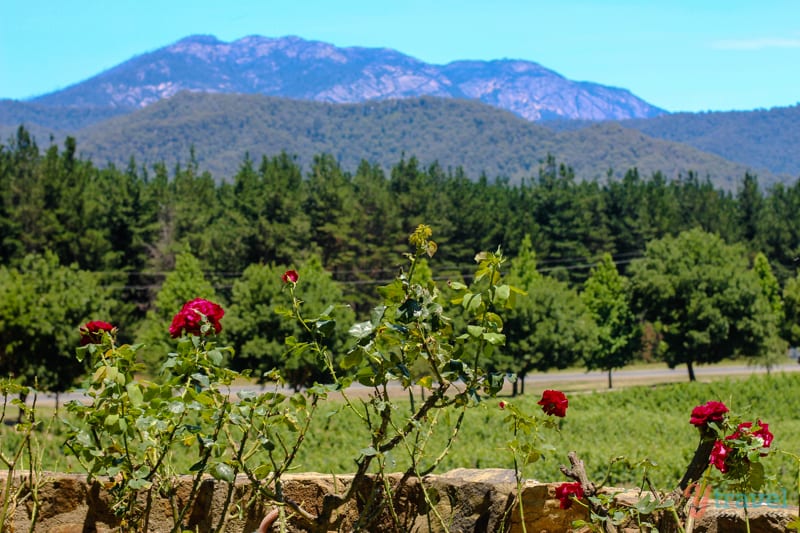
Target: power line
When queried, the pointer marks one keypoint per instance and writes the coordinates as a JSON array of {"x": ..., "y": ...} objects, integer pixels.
[{"x": 466, "y": 271}]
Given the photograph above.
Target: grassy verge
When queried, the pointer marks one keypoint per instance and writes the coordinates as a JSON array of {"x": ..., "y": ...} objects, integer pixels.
[{"x": 637, "y": 422}]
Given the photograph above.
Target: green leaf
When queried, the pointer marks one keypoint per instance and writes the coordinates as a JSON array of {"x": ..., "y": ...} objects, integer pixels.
[
  {"x": 425, "y": 382},
  {"x": 325, "y": 327},
  {"x": 646, "y": 505},
  {"x": 246, "y": 395},
  {"x": 176, "y": 407},
  {"x": 501, "y": 294},
  {"x": 134, "y": 394},
  {"x": 139, "y": 484},
  {"x": 495, "y": 339},
  {"x": 472, "y": 302},
  {"x": 224, "y": 472},
  {"x": 361, "y": 330},
  {"x": 298, "y": 401},
  {"x": 215, "y": 356},
  {"x": 262, "y": 471},
  {"x": 494, "y": 382},
  {"x": 393, "y": 292},
  {"x": 100, "y": 374},
  {"x": 111, "y": 420},
  {"x": 368, "y": 452},
  {"x": 409, "y": 310},
  {"x": 201, "y": 379},
  {"x": 352, "y": 358},
  {"x": 475, "y": 331}
]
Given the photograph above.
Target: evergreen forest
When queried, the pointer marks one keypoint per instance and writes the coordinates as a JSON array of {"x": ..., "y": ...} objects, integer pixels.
[{"x": 82, "y": 242}]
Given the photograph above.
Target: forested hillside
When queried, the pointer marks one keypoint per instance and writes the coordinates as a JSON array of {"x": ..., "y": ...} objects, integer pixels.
[
  {"x": 453, "y": 133},
  {"x": 763, "y": 138},
  {"x": 53, "y": 119}
]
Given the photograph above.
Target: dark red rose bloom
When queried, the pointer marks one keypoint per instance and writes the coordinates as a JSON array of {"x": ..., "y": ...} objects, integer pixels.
[
  {"x": 502, "y": 404},
  {"x": 708, "y": 412},
  {"x": 565, "y": 491},
  {"x": 290, "y": 276},
  {"x": 762, "y": 433},
  {"x": 190, "y": 318},
  {"x": 719, "y": 454},
  {"x": 554, "y": 402},
  {"x": 92, "y": 332}
]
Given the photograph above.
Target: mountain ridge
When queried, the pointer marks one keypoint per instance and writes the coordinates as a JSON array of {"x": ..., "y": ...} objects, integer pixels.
[
  {"x": 762, "y": 141},
  {"x": 314, "y": 70}
]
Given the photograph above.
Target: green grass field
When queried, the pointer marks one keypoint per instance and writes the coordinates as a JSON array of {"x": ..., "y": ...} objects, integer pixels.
[
  {"x": 639, "y": 422},
  {"x": 643, "y": 422}
]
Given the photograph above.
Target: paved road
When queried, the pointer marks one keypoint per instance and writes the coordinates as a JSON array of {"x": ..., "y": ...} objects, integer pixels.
[
  {"x": 553, "y": 379},
  {"x": 658, "y": 373}
]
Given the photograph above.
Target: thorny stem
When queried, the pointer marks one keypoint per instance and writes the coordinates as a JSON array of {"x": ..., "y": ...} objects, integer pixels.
[
  {"x": 746, "y": 517},
  {"x": 430, "y": 402},
  {"x": 518, "y": 477},
  {"x": 322, "y": 352},
  {"x": 578, "y": 473},
  {"x": 204, "y": 461}
]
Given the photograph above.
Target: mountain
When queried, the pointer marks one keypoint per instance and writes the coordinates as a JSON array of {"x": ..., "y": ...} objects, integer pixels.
[
  {"x": 762, "y": 138},
  {"x": 295, "y": 68},
  {"x": 222, "y": 129},
  {"x": 763, "y": 141}
]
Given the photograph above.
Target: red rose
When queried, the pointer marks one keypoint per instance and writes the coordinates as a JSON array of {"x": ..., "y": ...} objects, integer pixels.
[
  {"x": 762, "y": 433},
  {"x": 190, "y": 318},
  {"x": 290, "y": 276},
  {"x": 502, "y": 404},
  {"x": 708, "y": 412},
  {"x": 719, "y": 454},
  {"x": 566, "y": 491},
  {"x": 92, "y": 332},
  {"x": 554, "y": 402}
]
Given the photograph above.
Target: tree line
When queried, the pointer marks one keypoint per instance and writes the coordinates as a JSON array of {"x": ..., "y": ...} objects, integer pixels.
[{"x": 134, "y": 243}]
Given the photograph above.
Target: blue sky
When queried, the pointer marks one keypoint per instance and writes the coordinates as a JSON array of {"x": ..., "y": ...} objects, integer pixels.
[{"x": 677, "y": 54}]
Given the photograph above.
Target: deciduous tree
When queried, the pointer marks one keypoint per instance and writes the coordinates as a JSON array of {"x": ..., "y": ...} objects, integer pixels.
[{"x": 703, "y": 297}]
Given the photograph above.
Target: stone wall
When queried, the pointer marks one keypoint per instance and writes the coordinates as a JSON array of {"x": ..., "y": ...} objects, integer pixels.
[{"x": 464, "y": 500}]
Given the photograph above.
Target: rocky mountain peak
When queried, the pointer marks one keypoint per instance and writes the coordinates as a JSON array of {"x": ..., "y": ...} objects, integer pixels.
[{"x": 312, "y": 70}]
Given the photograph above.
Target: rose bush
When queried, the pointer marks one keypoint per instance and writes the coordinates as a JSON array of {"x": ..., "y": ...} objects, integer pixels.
[
  {"x": 131, "y": 429},
  {"x": 735, "y": 451},
  {"x": 130, "y": 432}
]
